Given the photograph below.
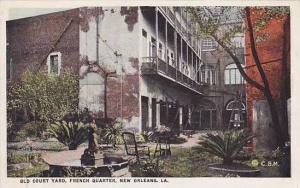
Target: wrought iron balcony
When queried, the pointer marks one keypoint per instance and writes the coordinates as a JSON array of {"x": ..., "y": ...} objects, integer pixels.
[
  {"x": 186, "y": 33},
  {"x": 157, "y": 66}
]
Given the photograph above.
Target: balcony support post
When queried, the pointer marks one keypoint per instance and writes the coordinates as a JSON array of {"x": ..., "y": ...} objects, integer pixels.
[
  {"x": 193, "y": 69},
  {"x": 181, "y": 58},
  {"x": 156, "y": 35},
  {"x": 176, "y": 51},
  {"x": 187, "y": 60},
  {"x": 166, "y": 45}
]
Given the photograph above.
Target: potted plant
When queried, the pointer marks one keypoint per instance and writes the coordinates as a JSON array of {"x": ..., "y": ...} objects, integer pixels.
[
  {"x": 227, "y": 146},
  {"x": 70, "y": 134}
]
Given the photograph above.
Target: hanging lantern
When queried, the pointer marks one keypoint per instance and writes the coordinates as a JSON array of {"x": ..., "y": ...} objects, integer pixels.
[{"x": 236, "y": 118}]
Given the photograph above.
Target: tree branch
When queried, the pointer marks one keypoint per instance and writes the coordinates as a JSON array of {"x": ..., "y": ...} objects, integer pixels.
[
  {"x": 238, "y": 65},
  {"x": 253, "y": 49}
]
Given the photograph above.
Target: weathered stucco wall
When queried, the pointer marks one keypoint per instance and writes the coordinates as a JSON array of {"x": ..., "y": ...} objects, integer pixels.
[
  {"x": 262, "y": 127},
  {"x": 117, "y": 33}
]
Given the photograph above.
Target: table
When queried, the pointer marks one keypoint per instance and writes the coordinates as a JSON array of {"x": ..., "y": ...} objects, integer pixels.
[{"x": 60, "y": 163}]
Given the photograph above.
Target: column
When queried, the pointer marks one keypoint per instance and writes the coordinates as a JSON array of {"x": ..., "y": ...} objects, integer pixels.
[
  {"x": 181, "y": 58},
  {"x": 210, "y": 119},
  {"x": 180, "y": 118},
  {"x": 193, "y": 69},
  {"x": 149, "y": 112},
  {"x": 189, "y": 115},
  {"x": 175, "y": 53},
  {"x": 156, "y": 35},
  {"x": 166, "y": 44},
  {"x": 187, "y": 58},
  {"x": 196, "y": 71},
  {"x": 158, "y": 114},
  {"x": 200, "y": 119}
]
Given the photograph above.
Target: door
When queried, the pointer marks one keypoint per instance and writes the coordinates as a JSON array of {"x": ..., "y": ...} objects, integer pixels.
[
  {"x": 153, "y": 113},
  {"x": 145, "y": 114}
]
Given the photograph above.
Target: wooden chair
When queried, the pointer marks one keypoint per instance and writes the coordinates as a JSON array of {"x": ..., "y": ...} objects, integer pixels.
[{"x": 134, "y": 149}]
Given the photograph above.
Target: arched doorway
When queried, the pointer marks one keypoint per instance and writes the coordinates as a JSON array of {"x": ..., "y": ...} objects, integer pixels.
[{"x": 230, "y": 106}]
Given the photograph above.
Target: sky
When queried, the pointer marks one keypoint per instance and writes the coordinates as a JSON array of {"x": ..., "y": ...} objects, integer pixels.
[{"x": 16, "y": 13}]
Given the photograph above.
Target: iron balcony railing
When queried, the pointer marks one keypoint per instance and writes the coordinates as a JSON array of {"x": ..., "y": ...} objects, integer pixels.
[
  {"x": 155, "y": 65},
  {"x": 185, "y": 32}
]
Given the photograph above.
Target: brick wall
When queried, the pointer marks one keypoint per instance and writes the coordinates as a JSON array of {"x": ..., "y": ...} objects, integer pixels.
[
  {"x": 30, "y": 39},
  {"x": 269, "y": 44}
]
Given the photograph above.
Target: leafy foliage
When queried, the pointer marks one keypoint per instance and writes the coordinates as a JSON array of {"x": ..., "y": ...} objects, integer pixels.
[
  {"x": 73, "y": 172},
  {"x": 43, "y": 97},
  {"x": 13, "y": 158},
  {"x": 147, "y": 168},
  {"x": 113, "y": 134},
  {"x": 266, "y": 14},
  {"x": 32, "y": 129},
  {"x": 225, "y": 145},
  {"x": 70, "y": 134},
  {"x": 11, "y": 130},
  {"x": 211, "y": 22},
  {"x": 224, "y": 23}
]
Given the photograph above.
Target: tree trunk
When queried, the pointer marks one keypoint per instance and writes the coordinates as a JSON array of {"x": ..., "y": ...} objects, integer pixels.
[{"x": 281, "y": 135}]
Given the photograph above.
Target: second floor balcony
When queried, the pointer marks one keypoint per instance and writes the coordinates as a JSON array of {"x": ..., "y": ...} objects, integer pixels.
[{"x": 157, "y": 66}]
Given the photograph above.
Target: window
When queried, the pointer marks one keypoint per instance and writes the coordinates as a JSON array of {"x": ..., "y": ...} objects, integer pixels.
[
  {"x": 152, "y": 47},
  {"x": 233, "y": 105},
  {"x": 171, "y": 60},
  {"x": 238, "y": 41},
  {"x": 144, "y": 33},
  {"x": 208, "y": 44},
  {"x": 54, "y": 63},
  {"x": 232, "y": 75},
  {"x": 208, "y": 74},
  {"x": 160, "y": 50}
]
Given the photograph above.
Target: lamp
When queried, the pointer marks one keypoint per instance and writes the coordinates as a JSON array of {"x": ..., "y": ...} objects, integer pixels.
[{"x": 236, "y": 117}]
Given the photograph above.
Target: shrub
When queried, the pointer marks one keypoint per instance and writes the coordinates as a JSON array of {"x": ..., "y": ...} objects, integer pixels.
[
  {"x": 70, "y": 134},
  {"x": 22, "y": 158},
  {"x": 32, "y": 129},
  {"x": 43, "y": 97},
  {"x": 225, "y": 145},
  {"x": 147, "y": 168},
  {"x": 84, "y": 116},
  {"x": 11, "y": 130}
]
